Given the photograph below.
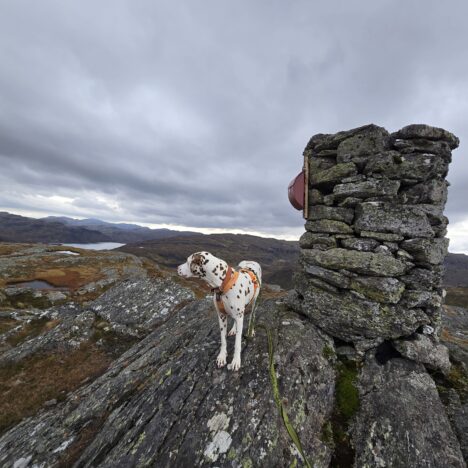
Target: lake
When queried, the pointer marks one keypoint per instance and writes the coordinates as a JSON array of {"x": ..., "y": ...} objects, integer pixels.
[{"x": 97, "y": 245}]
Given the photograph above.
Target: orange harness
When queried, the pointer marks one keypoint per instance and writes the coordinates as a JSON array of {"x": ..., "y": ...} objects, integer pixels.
[{"x": 229, "y": 281}]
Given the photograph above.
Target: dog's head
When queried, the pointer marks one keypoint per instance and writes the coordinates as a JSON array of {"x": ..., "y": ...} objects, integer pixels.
[{"x": 195, "y": 266}]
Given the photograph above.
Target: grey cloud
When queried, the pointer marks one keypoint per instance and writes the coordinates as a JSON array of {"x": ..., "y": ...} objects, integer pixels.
[{"x": 197, "y": 115}]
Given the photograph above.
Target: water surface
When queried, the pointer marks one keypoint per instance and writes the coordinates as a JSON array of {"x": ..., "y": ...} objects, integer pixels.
[
  {"x": 34, "y": 284},
  {"x": 97, "y": 245}
]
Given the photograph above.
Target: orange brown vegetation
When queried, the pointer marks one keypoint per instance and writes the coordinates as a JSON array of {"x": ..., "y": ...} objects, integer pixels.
[
  {"x": 31, "y": 330},
  {"x": 447, "y": 336},
  {"x": 7, "y": 324},
  {"x": 457, "y": 297},
  {"x": 26, "y": 385}
]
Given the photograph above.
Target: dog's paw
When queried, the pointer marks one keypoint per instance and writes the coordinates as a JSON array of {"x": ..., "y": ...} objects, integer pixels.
[
  {"x": 235, "y": 364},
  {"x": 233, "y": 330},
  {"x": 221, "y": 360}
]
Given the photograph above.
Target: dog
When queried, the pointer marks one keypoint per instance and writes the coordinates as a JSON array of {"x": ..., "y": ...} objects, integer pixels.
[{"x": 233, "y": 291}]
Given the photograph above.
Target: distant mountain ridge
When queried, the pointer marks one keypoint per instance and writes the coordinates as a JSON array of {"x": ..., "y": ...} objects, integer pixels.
[
  {"x": 15, "y": 228},
  {"x": 58, "y": 229},
  {"x": 119, "y": 232}
]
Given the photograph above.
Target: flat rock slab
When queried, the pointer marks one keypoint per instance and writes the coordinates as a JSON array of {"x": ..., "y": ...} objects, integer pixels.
[
  {"x": 351, "y": 318},
  {"x": 140, "y": 304},
  {"x": 408, "y": 221},
  {"x": 427, "y": 132},
  {"x": 165, "y": 403},
  {"x": 365, "y": 263},
  {"x": 402, "y": 422}
]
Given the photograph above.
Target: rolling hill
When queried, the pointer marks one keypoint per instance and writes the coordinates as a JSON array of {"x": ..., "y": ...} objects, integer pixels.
[
  {"x": 14, "y": 228},
  {"x": 277, "y": 257}
]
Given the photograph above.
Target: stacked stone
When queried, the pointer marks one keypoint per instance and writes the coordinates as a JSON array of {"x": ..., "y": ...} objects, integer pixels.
[{"x": 372, "y": 253}]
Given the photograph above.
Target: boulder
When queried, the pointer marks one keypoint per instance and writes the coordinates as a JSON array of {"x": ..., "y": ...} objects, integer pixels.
[
  {"x": 365, "y": 263},
  {"x": 368, "y": 188},
  {"x": 349, "y": 317},
  {"x": 356, "y": 243},
  {"x": 385, "y": 290},
  {"x": 310, "y": 240},
  {"x": 458, "y": 414},
  {"x": 332, "y": 175},
  {"x": 315, "y": 197},
  {"x": 336, "y": 279},
  {"x": 322, "y": 142},
  {"x": 412, "y": 166},
  {"x": 359, "y": 147},
  {"x": 422, "y": 279},
  {"x": 328, "y": 226},
  {"x": 345, "y": 215},
  {"x": 401, "y": 421},
  {"x": 384, "y": 217},
  {"x": 426, "y": 132},
  {"x": 424, "y": 349},
  {"x": 432, "y": 251},
  {"x": 433, "y": 191},
  {"x": 420, "y": 145},
  {"x": 382, "y": 236}
]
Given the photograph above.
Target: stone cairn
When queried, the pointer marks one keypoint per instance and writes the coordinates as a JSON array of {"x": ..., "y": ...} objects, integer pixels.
[{"x": 371, "y": 257}]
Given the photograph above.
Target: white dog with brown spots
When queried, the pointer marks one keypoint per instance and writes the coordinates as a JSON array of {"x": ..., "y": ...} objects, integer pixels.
[{"x": 233, "y": 291}]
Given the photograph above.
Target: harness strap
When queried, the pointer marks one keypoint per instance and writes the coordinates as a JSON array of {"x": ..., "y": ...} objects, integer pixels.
[{"x": 229, "y": 281}]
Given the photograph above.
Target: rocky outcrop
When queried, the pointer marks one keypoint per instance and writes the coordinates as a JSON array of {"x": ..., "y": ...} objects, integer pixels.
[
  {"x": 402, "y": 421},
  {"x": 375, "y": 238},
  {"x": 132, "y": 308},
  {"x": 300, "y": 399},
  {"x": 165, "y": 403}
]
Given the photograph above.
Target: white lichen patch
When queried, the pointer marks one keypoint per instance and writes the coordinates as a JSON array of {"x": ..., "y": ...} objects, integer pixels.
[
  {"x": 63, "y": 445},
  {"x": 22, "y": 462},
  {"x": 219, "y": 445},
  {"x": 219, "y": 422}
]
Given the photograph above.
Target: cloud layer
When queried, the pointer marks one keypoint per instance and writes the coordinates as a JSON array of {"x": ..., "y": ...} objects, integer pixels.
[{"x": 196, "y": 114}]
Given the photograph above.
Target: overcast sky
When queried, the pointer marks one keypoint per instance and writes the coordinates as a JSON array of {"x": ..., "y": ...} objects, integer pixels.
[{"x": 195, "y": 113}]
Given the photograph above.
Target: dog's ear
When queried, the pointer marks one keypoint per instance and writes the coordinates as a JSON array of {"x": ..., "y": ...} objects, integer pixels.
[{"x": 197, "y": 261}]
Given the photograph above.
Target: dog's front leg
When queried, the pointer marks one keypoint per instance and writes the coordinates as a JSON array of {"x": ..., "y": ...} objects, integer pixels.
[
  {"x": 221, "y": 359},
  {"x": 236, "y": 360}
]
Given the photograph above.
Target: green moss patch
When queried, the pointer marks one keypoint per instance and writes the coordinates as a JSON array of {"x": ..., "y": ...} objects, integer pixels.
[
  {"x": 346, "y": 406},
  {"x": 347, "y": 395}
]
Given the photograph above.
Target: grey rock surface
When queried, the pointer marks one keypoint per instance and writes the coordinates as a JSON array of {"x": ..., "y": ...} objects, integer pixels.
[
  {"x": 455, "y": 333},
  {"x": 366, "y": 263},
  {"x": 377, "y": 273},
  {"x": 402, "y": 422},
  {"x": 73, "y": 329},
  {"x": 137, "y": 306},
  {"x": 404, "y": 220},
  {"x": 418, "y": 131},
  {"x": 332, "y": 175},
  {"x": 366, "y": 189},
  {"x": 458, "y": 415},
  {"x": 165, "y": 403},
  {"x": 424, "y": 349},
  {"x": 353, "y": 317}
]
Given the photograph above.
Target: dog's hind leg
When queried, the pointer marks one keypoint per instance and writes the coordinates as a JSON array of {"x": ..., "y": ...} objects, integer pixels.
[
  {"x": 236, "y": 360},
  {"x": 221, "y": 359},
  {"x": 251, "y": 327},
  {"x": 232, "y": 331}
]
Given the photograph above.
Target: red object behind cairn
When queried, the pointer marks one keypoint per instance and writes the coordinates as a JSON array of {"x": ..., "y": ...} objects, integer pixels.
[{"x": 296, "y": 192}]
